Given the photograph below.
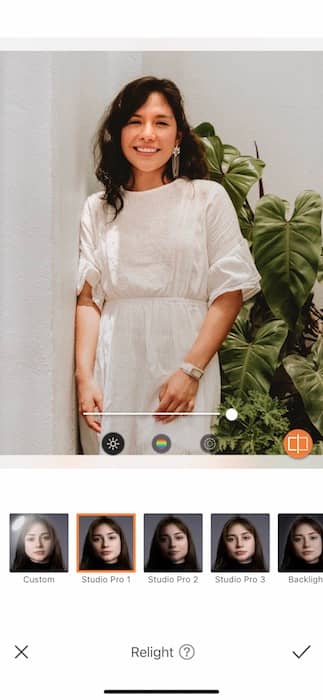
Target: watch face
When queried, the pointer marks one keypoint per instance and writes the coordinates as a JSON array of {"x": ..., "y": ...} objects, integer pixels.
[{"x": 191, "y": 371}]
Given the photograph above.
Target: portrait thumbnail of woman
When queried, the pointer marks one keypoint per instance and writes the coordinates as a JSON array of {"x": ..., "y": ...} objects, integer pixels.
[
  {"x": 300, "y": 542},
  {"x": 173, "y": 543},
  {"x": 106, "y": 543},
  {"x": 163, "y": 269},
  {"x": 38, "y": 542},
  {"x": 240, "y": 542}
]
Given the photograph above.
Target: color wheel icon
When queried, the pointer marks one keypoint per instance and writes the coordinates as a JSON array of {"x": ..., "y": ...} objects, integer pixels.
[{"x": 161, "y": 443}]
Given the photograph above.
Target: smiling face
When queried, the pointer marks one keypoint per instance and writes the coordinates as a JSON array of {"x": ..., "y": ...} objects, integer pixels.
[
  {"x": 173, "y": 543},
  {"x": 307, "y": 543},
  {"x": 106, "y": 543},
  {"x": 240, "y": 543},
  {"x": 38, "y": 543},
  {"x": 148, "y": 140}
]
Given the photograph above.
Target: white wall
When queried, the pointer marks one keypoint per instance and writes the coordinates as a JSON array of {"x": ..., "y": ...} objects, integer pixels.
[
  {"x": 50, "y": 106},
  {"x": 26, "y": 254}
]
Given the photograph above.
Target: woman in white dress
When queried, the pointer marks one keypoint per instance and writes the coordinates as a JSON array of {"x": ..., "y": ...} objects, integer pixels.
[{"x": 163, "y": 272}]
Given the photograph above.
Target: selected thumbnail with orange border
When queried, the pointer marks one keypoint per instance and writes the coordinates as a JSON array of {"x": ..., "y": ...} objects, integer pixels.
[{"x": 106, "y": 542}]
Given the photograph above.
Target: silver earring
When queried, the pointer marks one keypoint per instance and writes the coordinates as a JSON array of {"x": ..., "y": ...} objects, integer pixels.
[{"x": 175, "y": 161}]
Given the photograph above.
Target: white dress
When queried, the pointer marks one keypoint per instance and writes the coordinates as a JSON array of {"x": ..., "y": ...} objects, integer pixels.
[{"x": 153, "y": 271}]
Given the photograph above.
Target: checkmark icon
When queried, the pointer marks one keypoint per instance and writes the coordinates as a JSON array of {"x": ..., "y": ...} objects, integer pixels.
[{"x": 299, "y": 656}]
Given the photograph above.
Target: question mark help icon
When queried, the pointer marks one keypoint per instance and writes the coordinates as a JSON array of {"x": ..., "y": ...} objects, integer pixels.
[{"x": 186, "y": 651}]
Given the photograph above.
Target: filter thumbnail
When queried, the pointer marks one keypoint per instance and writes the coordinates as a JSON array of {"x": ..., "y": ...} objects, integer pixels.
[
  {"x": 173, "y": 543},
  {"x": 300, "y": 542},
  {"x": 106, "y": 542},
  {"x": 38, "y": 542},
  {"x": 240, "y": 542}
]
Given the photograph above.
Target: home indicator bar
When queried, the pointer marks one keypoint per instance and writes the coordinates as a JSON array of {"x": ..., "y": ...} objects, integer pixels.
[{"x": 174, "y": 691}]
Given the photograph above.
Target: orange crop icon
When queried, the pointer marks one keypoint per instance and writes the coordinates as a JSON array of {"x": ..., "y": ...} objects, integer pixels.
[{"x": 298, "y": 443}]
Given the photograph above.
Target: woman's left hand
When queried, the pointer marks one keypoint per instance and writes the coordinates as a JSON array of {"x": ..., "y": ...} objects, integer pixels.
[{"x": 177, "y": 395}]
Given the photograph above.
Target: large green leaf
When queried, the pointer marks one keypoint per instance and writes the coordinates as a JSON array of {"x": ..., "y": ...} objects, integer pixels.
[
  {"x": 204, "y": 129},
  {"x": 246, "y": 220},
  {"x": 307, "y": 376},
  {"x": 287, "y": 251},
  {"x": 235, "y": 172},
  {"x": 242, "y": 174},
  {"x": 214, "y": 155},
  {"x": 249, "y": 362},
  {"x": 229, "y": 152}
]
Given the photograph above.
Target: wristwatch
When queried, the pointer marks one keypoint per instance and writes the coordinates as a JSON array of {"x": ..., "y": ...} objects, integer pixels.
[{"x": 191, "y": 370}]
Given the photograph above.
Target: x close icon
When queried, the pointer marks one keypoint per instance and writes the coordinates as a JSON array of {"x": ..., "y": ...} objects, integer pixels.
[{"x": 21, "y": 652}]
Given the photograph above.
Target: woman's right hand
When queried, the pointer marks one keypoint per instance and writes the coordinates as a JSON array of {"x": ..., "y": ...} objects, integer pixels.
[{"x": 90, "y": 399}]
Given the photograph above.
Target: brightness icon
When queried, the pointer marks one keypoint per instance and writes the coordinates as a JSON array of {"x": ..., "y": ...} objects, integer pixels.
[{"x": 113, "y": 443}]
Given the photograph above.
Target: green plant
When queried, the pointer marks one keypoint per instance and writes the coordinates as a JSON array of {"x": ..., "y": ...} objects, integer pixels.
[
  {"x": 307, "y": 375},
  {"x": 259, "y": 429},
  {"x": 275, "y": 345},
  {"x": 317, "y": 448}
]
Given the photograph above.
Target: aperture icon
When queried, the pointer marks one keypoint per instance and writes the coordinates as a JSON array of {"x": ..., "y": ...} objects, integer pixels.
[{"x": 208, "y": 443}]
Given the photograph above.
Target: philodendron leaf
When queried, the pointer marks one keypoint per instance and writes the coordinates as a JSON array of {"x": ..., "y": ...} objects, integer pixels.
[
  {"x": 214, "y": 155},
  {"x": 249, "y": 362},
  {"x": 243, "y": 172},
  {"x": 235, "y": 172},
  {"x": 229, "y": 152},
  {"x": 246, "y": 219},
  {"x": 287, "y": 252},
  {"x": 307, "y": 376},
  {"x": 204, "y": 129}
]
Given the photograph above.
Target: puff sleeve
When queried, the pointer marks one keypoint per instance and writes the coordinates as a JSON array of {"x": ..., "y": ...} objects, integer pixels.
[
  {"x": 89, "y": 269},
  {"x": 231, "y": 266}
]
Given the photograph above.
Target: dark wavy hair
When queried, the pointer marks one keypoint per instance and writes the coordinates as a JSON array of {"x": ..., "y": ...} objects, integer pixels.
[
  {"x": 290, "y": 561},
  {"x": 90, "y": 560},
  {"x": 112, "y": 168},
  {"x": 223, "y": 560},
  {"x": 157, "y": 561},
  {"x": 22, "y": 561}
]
